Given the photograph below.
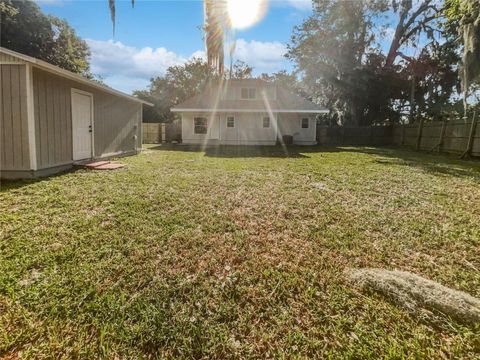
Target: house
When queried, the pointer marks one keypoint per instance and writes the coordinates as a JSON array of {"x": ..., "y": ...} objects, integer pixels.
[
  {"x": 247, "y": 112},
  {"x": 51, "y": 118}
]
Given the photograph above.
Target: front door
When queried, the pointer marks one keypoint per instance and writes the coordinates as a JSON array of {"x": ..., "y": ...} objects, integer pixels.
[{"x": 82, "y": 124}]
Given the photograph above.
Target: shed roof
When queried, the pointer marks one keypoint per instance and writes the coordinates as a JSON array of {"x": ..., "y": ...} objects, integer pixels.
[
  {"x": 285, "y": 101},
  {"x": 68, "y": 74}
]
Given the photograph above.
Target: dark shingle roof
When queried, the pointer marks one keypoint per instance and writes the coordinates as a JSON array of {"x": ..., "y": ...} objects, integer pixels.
[{"x": 286, "y": 101}]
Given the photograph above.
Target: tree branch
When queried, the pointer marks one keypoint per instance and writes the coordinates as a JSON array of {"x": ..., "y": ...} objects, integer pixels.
[
  {"x": 402, "y": 32},
  {"x": 421, "y": 24}
]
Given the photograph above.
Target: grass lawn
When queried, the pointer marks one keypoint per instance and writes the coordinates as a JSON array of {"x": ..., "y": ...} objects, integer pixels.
[{"x": 236, "y": 253}]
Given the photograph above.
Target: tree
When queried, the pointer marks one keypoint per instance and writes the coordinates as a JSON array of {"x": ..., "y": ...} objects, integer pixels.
[
  {"x": 241, "y": 70},
  {"x": 25, "y": 29},
  {"x": 181, "y": 82},
  {"x": 328, "y": 50},
  {"x": 284, "y": 79},
  {"x": 463, "y": 20},
  {"x": 436, "y": 77},
  {"x": 178, "y": 84},
  {"x": 412, "y": 21},
  {"x": 69, "y": 51},
  {"x": 215, "y": 19},
  {"x": 338, "y": 53}
]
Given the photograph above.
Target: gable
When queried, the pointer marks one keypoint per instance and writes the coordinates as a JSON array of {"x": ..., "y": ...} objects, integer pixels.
[{"x": 227, "y": 97}]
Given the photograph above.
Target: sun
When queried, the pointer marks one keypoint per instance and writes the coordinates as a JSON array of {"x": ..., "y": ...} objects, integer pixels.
[{"x": 245, "y": 13}]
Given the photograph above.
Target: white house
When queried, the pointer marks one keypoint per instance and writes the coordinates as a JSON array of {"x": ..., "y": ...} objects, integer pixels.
[{"x": 247, "y": 112}]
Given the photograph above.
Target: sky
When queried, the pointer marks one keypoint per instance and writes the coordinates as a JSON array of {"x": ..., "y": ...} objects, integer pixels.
[{"x": 156, "y": 34}]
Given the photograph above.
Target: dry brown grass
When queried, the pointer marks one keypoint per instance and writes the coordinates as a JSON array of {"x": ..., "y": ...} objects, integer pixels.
[{"x": 419, "y": 295}]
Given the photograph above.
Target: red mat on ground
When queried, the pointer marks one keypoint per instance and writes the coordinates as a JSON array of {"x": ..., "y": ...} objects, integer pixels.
[
  {"x": 95, "y": 164},
  {"x": 109, "y": 166}
]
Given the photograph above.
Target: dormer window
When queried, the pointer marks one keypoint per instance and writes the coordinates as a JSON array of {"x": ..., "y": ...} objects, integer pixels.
[{"x": 248, "y": 93}]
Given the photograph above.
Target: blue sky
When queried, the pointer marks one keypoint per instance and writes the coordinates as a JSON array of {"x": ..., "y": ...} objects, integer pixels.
[{"x": 157, "y": 34}]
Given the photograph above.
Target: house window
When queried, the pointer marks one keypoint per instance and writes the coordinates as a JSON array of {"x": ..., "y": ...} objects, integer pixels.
[
  {"x": 305, "y": 122},
  {"x": 248, "y": 93},
  {"x": 230, "y": 122},
  {"x": 200, "y": 124},
  {"x": 266, "y": 122}
]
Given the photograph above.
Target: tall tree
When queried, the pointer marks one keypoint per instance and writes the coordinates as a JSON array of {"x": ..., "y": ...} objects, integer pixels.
[
  {"x": 215, "y": 20},
  {"x": 328, "y": 49},
  {"x": 463, "y": 20},
  {"x": 25, "y": 29},
  {"x": 338, "y": 51}
]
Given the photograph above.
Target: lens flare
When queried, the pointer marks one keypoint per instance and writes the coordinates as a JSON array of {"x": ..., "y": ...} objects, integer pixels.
[{"x": 245, "y": 13}]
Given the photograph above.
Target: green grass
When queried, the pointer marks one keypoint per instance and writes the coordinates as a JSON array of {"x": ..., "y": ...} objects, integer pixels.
[{"x": 236, "y": 253}]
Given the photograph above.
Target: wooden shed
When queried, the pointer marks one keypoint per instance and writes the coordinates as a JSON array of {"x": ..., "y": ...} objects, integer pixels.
[{"x": 51, "y": 118}]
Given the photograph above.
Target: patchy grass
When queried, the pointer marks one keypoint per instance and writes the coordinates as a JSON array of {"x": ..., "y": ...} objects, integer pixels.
[{"x": 236, "y": 252}]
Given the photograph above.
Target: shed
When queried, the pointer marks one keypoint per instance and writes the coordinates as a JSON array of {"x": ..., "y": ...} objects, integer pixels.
[{"x": 51, "y": 118}]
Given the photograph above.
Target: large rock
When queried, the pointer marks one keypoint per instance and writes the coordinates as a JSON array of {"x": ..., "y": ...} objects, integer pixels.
[{"x": 415, "y": 293}]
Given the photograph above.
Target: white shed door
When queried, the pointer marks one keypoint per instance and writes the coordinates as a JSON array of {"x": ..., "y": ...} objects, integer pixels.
[{"x": 82, "y": 124}]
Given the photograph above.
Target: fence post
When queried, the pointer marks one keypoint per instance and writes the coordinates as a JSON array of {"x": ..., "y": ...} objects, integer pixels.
[
  {"x": 470, "y": 137},
  {"x": 403, "y": 135},
  {"x": 442, "y": 134},
  {"x": 164, "y": 133},
  {"x": 419, "y": 137}
]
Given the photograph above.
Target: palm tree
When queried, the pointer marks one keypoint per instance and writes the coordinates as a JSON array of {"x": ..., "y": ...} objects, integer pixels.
[{"x": 214, "y": 20}]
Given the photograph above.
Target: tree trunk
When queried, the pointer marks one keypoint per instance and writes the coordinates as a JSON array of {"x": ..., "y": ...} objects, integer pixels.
[
  {"x": 412, "y": 98},
  {"x": 400, "y": 29},
  {"x": 465, "y": 92},
  {"x": 355, "y": 112}
]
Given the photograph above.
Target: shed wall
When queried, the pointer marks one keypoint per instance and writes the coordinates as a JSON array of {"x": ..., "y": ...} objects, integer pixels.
[
  {"x": 8, "y": 59},
  {"x": 14, "y": 145},
  {"x": 117, "y": 120}
]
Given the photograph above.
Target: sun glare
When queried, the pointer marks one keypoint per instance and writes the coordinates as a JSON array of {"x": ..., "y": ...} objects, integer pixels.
[{"x": 245, "y": 13}]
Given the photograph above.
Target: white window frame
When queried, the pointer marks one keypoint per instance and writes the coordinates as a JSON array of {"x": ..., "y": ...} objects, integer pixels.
[
  {"x": 248, "y": 95},
  {"x": 226, "y": 121},
  {"x": 308, "y": 123},
  {"x": 206, "y": 125},
  {"x": 269, "y": 122}
]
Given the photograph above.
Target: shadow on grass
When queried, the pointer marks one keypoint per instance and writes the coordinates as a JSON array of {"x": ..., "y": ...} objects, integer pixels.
[
  {"x": 433, "y": 163},
  {"x": 8, "y": 185},
  {"x": 231, "y": 151},
  {"x": 437, "y": 164}
]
